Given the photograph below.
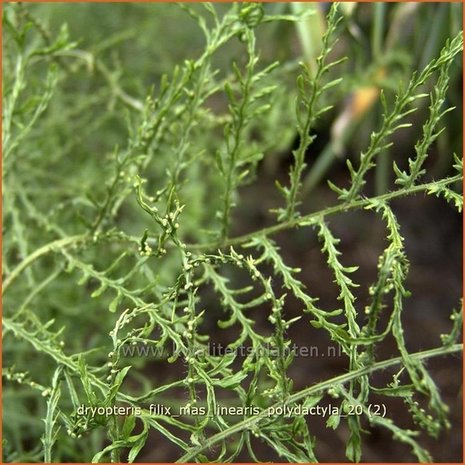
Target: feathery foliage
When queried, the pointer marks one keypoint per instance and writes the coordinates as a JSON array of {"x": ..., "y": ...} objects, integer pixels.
[{"x": 122, "y": 242}]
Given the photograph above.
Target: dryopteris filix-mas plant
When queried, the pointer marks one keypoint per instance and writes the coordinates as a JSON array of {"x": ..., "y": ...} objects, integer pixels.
[{"x": 122, "y": 238}]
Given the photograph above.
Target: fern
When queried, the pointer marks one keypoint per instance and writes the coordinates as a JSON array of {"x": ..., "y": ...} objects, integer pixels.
[
  {"x": 392, "y": 121},
  {"x": 129, "y": 251},
  {"x": 311, "y": 89}
]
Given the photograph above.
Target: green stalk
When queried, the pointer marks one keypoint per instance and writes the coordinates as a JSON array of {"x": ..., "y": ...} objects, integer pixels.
[
  {"x": 248, "y": 423},
  {"x": 377, "y": 34}
]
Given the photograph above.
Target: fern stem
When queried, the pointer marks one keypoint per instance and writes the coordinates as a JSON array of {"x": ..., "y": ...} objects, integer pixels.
[
  {"x": 44, "y": 250},
  {"x": 296, "y": 222},
  {"x": 310, "y": 115},
  {"x": 313, "y": 217},
  {"x": 236, "y": 136},
  {"x": 311, "y": 390}
]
